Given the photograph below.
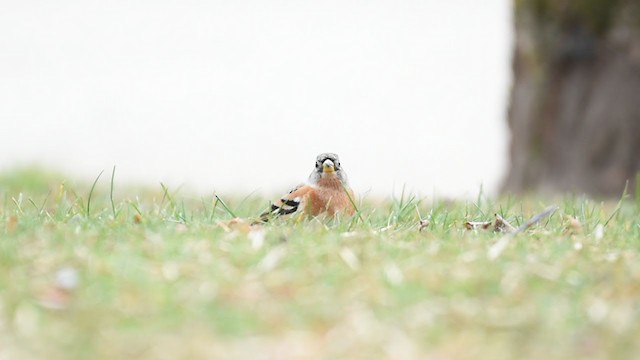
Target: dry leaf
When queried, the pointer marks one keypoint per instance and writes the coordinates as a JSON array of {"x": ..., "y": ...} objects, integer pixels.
[
  {"x": 471, "y": 225},
  {"x": 137, "y": 218},
  {"x": 503, "y": 225},
  {"x": 423, "y": 224},
  {"x": 235, "y": 224},
  {"x": 12, "y": 223}
]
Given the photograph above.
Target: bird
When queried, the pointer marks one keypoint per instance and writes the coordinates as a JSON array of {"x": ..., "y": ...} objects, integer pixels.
[{"x": 326, "y": 192}]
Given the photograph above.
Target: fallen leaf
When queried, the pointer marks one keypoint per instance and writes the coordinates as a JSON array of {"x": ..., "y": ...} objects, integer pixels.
[
  {"x": 12, "y": 223},
  {"x": 472, "y": 225},
  {"x": 423, "y": 224},
  {"x": 137, "y": 218},
  {"x": 502, "y": 225},
  {"x": 235, "y": 224}
]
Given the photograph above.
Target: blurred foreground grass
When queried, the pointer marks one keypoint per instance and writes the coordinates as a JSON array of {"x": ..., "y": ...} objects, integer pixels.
[{"x": 162, "y": 275}]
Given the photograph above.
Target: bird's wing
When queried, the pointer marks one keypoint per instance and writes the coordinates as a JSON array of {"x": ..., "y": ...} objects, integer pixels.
[{"x": 290, "y": 203}]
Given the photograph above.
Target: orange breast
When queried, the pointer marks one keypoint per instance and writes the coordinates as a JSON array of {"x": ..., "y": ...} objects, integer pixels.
[
  {"x": 329, "y": 201},
  {"x": 328, "y": 196}
]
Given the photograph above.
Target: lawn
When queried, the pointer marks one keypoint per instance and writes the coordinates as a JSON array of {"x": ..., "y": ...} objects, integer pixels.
[{"x": 119, "y": 272}]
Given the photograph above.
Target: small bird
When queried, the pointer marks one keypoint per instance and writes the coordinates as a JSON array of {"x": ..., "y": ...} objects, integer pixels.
[{"x": 326, "y": 192}]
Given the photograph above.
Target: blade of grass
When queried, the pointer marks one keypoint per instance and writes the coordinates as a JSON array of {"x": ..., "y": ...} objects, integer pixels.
[
  {"x": 182, "y": 214},
  {"x": 213, "y": 209},
  {"x": 91, "y": 193},
  {"x": 33, "y": 203},
  {"x": 44, "y": 203},
  {"x": 244, "y": 199},
  {"x": 353, "y": 203},
  {"x": 224, "y": 205},
  {"x": 166, "y": 195},
  {"x": 135, "y": 207},
  {"x": 484, "y": 216},
  {"x": 619, "y": 205},
  {"x": 41, "y": 208},
  {"x": 113, "y": 206},
  {"x": 79, "y": 202},
  {"x": 18, "y": 204},
  {"x": 478, "y": 203}
]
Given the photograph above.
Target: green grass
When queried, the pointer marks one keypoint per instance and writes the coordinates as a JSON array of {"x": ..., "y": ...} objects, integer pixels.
[{"x": 165, "y": 274}]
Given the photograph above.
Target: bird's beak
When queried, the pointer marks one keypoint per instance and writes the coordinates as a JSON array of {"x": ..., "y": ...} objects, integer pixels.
[{"x": 328, "y": 167}]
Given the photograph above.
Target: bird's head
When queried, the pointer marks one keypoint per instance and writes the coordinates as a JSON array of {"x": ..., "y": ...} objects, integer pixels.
[{"x": 327, "y": 166}]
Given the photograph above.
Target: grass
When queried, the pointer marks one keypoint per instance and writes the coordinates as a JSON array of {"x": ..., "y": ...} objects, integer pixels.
[{"x": 168, "y": 275}]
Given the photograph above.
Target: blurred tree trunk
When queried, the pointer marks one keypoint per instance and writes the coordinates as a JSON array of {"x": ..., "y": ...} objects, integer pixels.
[{"x": 575, "y": 100}]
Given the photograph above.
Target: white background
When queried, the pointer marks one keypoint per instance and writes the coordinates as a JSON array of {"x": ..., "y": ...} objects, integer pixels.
[{"x": 238, "y": 96}]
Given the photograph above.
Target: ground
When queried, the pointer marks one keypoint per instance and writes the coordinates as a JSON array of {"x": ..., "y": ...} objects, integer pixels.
[{"x": 159, "y": 274}]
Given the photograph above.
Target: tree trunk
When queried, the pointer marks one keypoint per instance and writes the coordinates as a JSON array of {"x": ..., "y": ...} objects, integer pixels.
[{"x": 575, "y": 101}]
